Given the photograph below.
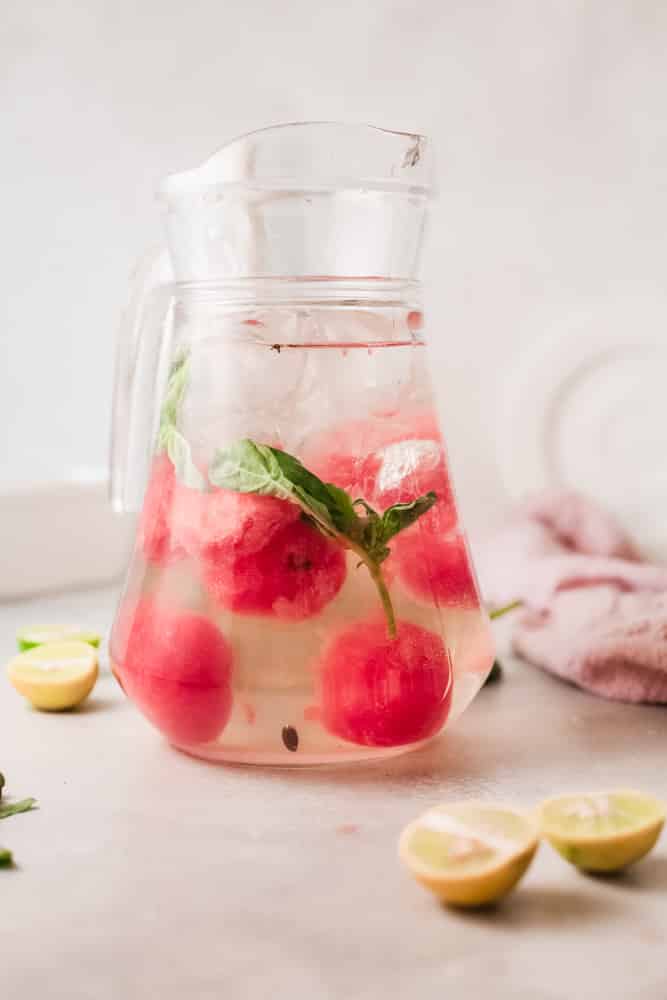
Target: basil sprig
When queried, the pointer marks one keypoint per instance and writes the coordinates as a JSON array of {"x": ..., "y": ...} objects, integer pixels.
[{"x": 249, "y": 467}]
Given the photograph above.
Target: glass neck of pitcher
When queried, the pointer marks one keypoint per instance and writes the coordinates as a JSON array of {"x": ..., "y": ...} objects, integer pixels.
[
  {"x": 300, "y": 310},
  {"x": 263, "y": 292}
]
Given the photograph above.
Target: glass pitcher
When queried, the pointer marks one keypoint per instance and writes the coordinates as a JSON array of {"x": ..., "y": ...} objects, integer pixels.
[{"x": 301, "y": 590}]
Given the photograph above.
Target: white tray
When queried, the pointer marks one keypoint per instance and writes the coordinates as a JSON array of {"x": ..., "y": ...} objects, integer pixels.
[{"x": 59, "y": 535}]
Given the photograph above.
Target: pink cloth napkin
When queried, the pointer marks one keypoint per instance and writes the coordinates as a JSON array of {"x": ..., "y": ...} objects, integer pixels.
[{"x": 594, "y": 613}]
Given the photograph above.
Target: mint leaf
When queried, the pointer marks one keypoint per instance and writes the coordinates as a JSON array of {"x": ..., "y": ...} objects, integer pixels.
[
  {"x": 12, "y": 808},
  {"x": 249, "y": 467}
]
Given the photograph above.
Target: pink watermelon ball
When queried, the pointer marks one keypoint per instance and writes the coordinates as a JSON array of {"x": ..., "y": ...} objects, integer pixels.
[
  {"x": 226, "y": 522},
  {"x": 435, "y": 569},
  {"x": 389, "y": 460},
  {"x": 413, "y": 465},
  {"x": 344, "y": 448},
  {"x": 169, "y": 510},
  {"x": 345, "y": 455},
  {"x": 154, "y": 531},
  {"x": 428, "y": 474},
  {"x": 272, "y": 563},
  {"x": 177, "y": 666},
  {"x": 177, "y": 521},
  {"x": 383, "y": 692}
]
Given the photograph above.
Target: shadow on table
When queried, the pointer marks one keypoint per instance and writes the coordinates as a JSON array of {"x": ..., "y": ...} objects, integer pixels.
[
  {"x": 545, "y": 908},
  {"x": 95, "y": 704},
  {"x": 648, "y": 875},
  {"x": 461, "y": 755},
  {"x": 530, "y": 722}
]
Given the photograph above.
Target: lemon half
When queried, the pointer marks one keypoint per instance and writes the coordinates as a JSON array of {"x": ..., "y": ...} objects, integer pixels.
[
  {"x": 468, "y": 853},
  {"x": 56, "y": 675},
  {"x": 602, "y": 832},
  {"x": 37, "y": 635}
]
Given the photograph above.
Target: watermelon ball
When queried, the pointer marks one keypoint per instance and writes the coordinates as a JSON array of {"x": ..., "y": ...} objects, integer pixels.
[
  {"x": 345, "y": 455},
  {"x": 226, "y": 522},
  {"x": 382, "y": 692},
  {"x": 410, "y": 468},
  {"x": 271, "y": 561},
  {"x": 177, "y": 666},
  {"x": 168, "y": 507},
  {"x": 389, "y": 460},
  {"x": 154, "y": 535},
  {"x": 435, "y": 568}
]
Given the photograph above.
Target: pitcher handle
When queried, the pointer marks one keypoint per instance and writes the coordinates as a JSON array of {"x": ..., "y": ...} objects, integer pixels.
[{"x": 144, "y": 342}]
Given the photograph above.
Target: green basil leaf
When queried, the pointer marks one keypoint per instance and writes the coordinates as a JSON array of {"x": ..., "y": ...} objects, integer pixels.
[
  {"x": 400, "y": 516},
  {"x": 170, "y": 438},
  {"x": 313, "y": 490},
  {"x": 180, "y": 454},
  {"x": 246, "y": 467},
  {"x": 177, "y": 381},
  {"x": 12, "y": 808}
]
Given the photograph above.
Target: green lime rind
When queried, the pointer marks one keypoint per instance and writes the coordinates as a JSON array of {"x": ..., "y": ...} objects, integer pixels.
[
  {"x": 602, "y": 832},
  {"x": 39, "y": 635}
]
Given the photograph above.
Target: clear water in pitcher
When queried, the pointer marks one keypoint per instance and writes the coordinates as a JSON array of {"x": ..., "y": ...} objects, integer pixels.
[{"x": 249, "y": 632}]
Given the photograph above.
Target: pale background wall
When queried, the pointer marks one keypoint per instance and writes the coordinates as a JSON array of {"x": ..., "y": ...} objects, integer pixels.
[{"x": 549, "y": 119}]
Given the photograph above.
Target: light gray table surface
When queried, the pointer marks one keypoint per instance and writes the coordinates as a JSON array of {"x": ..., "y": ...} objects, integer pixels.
[{"x": 146, "y": 874}]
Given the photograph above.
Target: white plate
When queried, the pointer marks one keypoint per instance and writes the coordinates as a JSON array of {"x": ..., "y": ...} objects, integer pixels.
[{"x": 585, "y": 406}]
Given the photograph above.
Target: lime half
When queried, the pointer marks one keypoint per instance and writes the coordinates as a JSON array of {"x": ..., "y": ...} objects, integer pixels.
[
  {"x": 468, "y": 853},
  {"x": 37, "y": 635},
  {"x": 602, "y": 832},
  {"x": 56, "y": 675}
]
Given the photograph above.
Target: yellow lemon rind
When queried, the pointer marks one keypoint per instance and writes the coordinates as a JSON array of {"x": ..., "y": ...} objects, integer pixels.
[
  {"x": 51, "y": 692},
  {"x": 489, "y": 884}
]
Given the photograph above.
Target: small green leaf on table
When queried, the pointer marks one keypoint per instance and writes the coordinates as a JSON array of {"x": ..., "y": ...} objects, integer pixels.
[{"x": 13, "y": 808}]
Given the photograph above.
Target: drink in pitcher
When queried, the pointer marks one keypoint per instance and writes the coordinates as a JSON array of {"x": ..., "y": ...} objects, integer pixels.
[{"x": 266, "y": 613}]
